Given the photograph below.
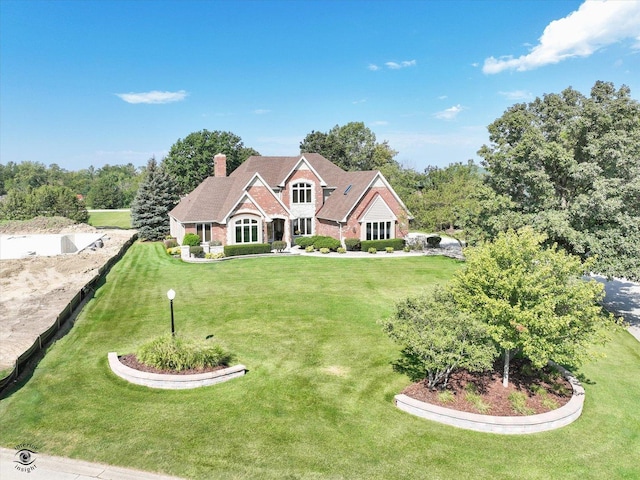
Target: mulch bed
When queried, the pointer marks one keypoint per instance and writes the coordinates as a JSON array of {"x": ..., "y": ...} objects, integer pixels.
[
  {"x": 132, "y": 361},
  {"x": 489, "y": 387}
]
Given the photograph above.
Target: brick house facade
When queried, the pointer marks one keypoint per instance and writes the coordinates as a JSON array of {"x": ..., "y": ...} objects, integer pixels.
[{"x": 279, "y": 198}]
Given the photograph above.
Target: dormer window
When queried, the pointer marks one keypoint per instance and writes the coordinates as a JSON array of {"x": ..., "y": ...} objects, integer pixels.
[{"x": 301, "y": 193}]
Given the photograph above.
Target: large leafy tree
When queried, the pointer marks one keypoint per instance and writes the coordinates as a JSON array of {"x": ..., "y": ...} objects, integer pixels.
[
  {"x": 533, "y": 299},
  {"x": 444, "y": 196},
  {"x": 352, "y": 147},
  {"x": 569, "y": 165},
  {"x": 155, "y": 198},
  {"x": 190, "y": 160}
]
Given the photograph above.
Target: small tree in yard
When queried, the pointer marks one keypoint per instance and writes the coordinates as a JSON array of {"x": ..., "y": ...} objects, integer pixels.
[
  {"x": 436, "y": 339},
  {"x": 532, "y": 299},
  {"x": 155, "y": 198}
]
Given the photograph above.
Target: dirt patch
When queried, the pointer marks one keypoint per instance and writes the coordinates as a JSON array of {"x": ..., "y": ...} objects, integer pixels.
[
  {"x": 469, "y": 391},
  {"x": 34, "y": 290}
]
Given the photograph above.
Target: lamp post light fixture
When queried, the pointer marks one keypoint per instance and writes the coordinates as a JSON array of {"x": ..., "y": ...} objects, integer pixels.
[{"x": 171, "y": 294}]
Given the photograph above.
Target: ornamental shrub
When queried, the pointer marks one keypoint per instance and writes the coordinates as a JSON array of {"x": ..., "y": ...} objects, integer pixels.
[
  {"x": 278, "y": 245},
  {"x": 388, "y": 249},
  {"x": 372, "y": 250},
  {"x": 246, "y": 249},
  {"x": 197, "y": 250},
  {"x": 342, "y": 250},
  {"x": 309, "y": 249},
  {"x": 173, "y": 251},
  {"x": 326, "y": 242},
  {"x": 304, "y": 242},
  {"x": 324, "y": 250},
  {"x": 176, "y": 353},
  {"x": 191, "y": 239},
  {"x": 434, "y": 241},
  {"x": 396, "y": 243},
  {"x": 170, "y": 243},
  {"x": 352, "y": 243},
  {"x": 214, "y": 256}
]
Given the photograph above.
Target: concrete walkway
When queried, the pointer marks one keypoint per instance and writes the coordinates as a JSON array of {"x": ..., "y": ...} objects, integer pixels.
[{"x": 46, "y": 467}]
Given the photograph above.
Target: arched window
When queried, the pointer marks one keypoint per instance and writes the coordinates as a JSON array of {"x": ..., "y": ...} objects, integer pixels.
[
  {"x": 247, "y": 230},
  {"x": 301, "y": 193}
]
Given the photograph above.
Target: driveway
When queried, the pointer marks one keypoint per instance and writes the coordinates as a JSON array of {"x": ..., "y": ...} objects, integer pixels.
[{"x": 622, "y": 297}]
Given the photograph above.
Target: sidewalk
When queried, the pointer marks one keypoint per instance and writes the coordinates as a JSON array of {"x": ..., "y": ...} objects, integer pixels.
[{"x": 46, "y": 467}]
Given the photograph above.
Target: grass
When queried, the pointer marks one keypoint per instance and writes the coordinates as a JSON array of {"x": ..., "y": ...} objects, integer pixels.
[
  {"x": 317, "y": 401},
  {"x": 110, "y": 218}
]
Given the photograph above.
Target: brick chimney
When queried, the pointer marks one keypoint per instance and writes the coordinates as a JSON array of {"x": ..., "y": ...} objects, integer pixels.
[{"x": 220, "y": 165}]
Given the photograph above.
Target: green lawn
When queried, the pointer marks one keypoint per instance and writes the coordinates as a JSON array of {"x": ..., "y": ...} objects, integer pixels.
[
  {"x": 110, "y": 218},
  {"x": 317, "y": 401}
]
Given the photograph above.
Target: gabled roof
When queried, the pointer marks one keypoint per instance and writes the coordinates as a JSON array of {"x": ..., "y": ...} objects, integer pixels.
[{"x": 216, "y": 197}]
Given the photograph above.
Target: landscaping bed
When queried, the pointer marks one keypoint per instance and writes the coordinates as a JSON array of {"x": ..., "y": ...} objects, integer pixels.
[{"x": 483, "y": 393}]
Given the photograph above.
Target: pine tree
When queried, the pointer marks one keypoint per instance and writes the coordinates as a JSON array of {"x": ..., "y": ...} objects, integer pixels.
[{"x": 155, "y": 198}]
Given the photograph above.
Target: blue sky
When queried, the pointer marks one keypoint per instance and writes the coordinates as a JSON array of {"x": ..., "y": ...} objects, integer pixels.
[{"x": 111, "y": 82}]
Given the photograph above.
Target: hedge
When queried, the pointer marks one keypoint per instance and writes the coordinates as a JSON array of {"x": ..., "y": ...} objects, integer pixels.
[
  {"x": 246, "y": 249},
  {"x": 191, "y": 239},
  {"x": 396, "y": 243},
  {"x": 352, "y": 244},
  {"x": 326, "y": 242}
]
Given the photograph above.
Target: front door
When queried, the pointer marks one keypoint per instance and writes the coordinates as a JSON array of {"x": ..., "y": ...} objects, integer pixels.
[{"x": 278, "y": 229}]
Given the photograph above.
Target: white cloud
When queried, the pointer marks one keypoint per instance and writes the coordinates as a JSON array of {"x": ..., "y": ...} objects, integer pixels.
[
  {"x": 443, "y": 97},
  {"x": 593, "y": 26},
  {"x": 261, "y": 111},
  {"x": 373, "y": 67},
  {"x": 357, "y": 102},
  {"x": 449, "y": 114},
  {"x": 404, "y": 64},
  {"x": 517, "y": 95},
  {"x": 153, "y": 97}
]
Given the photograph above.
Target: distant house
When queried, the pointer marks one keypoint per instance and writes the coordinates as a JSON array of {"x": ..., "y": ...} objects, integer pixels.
[{"x": 280, "y": 198}]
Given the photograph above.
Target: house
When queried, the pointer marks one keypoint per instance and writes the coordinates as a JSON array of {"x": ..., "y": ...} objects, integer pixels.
[{"x": 279, "y": 198}]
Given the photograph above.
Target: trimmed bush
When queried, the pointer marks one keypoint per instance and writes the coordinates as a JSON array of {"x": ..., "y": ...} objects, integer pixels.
[
  {"x": 191, "y": 239},
  {"x": 278, "y": 245},
  {"x": 396, "y": 243},
  {"x": 324, "y": 250},
  {"x": 309, "y": 249},
  {"x": 170, "y": 243},
  {"x": 246, "y": 249},
  {"x": 372, "y": 251},
  {"x": 197, "y": 251},
  {"x": 352, "y": 244},
  {"x": 326, "y": 242},
  {"x": 304, "y": 242},
  {"x": 341, "y": 250},
  {"x": 434, "y": 241},
  {"x": 173, "y": 251},
  {"x": 214, "y": 256},
  {"x": 177, "y": 353},
  {"x": 389, "y": 249}
]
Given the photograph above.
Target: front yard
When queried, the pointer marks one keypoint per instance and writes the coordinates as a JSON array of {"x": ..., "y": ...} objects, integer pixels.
[{"x": 317, "y": 401}]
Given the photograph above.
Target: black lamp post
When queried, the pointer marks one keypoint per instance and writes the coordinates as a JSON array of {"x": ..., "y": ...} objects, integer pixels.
[{"x": 171, "y": 294}]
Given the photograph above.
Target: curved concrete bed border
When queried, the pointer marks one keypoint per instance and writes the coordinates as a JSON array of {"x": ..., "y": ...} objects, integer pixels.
[
  {"x": 543, "y": 422},
  {"x": 173, "y": 382}
]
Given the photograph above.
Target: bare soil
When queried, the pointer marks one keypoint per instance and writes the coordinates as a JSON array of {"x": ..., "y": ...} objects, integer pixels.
[
  {"x": 544, "y": 392},
  {"x": 34, "y": 290}
]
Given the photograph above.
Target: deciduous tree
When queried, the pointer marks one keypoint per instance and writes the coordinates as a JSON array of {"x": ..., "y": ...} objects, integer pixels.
[
  {"x": 533, "y": 299},
  {"x": 569, "y": 165},
  {"x": 190, "y": 160},
  {"x": 437, "y": 338}
]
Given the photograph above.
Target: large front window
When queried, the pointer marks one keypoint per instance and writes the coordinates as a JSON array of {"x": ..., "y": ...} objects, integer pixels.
[
  {"x": 302, "y": 226},
  {"x": 301, "y": 193},
  {"x": 204, "y": 231},
  {"x": 379, "y": 230},
  {"x": 247, "y": 230}
]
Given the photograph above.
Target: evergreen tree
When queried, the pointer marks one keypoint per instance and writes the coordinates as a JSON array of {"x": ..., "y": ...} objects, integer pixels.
[{"x": 155, "y": 198}]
